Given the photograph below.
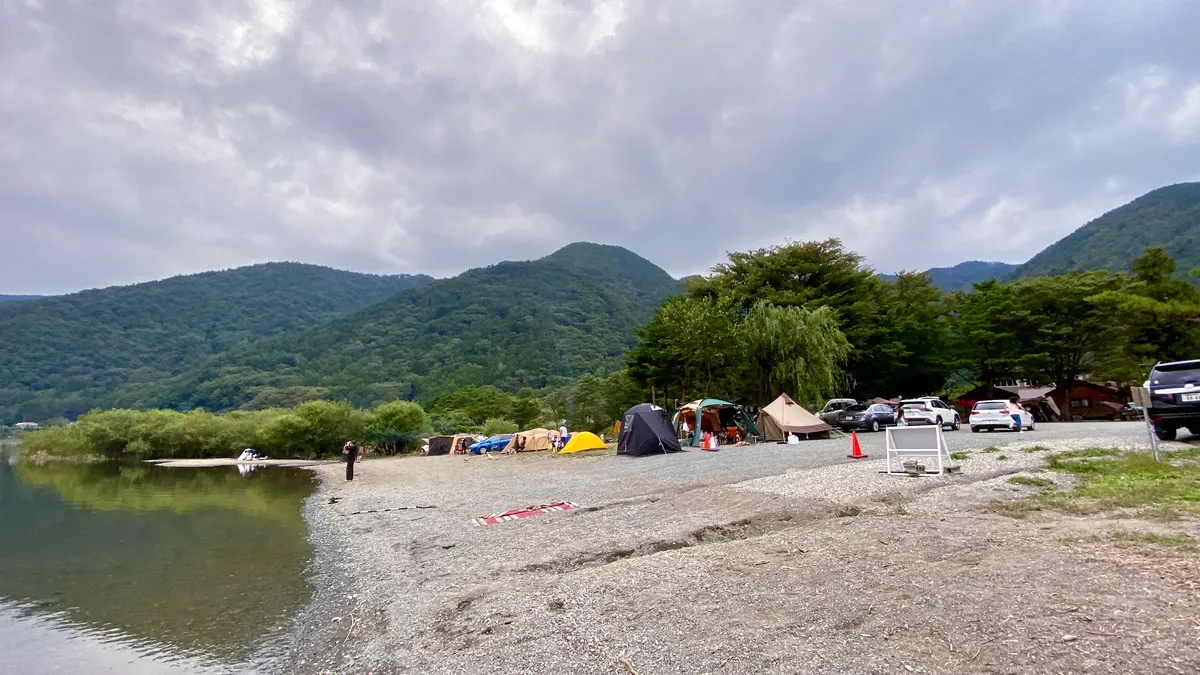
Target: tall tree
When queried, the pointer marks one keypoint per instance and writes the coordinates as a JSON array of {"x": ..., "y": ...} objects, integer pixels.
[
  {"x": 914, "y": 336},
  {"x": 1064, "y": 335},
  {"x": 982, "y": 335},
  {"x": 1161, "y": 313},
  {"x": 794, "y": 350},
  {"x": 811, "y": 275}
]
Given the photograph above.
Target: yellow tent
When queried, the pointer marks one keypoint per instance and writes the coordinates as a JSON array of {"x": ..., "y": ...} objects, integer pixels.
[{"x": 584, "y": 440}]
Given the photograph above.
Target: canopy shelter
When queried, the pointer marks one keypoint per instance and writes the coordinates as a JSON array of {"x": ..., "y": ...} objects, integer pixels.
[
  {"x": 533, "y": 440},
  {"x": 784, "y": 416},
  {"x": 584, "y": 440},
  {"x": 645, "y": 430},
  {"x": 456, "y": 444},
  {"x": 714, "y": 416}
]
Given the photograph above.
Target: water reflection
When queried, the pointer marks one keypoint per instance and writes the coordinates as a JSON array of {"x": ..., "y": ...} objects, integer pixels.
[{"x": 197, "y": 563}]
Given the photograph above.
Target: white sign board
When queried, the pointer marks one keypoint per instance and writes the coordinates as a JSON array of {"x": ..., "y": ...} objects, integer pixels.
[{"x": 917, "y": 441}]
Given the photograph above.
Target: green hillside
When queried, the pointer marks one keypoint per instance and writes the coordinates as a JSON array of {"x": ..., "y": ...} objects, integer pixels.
[
  {"x": 1167, "y": 217},
  {"x": 64, "y": 355},
  {"x": 963, "y": 276},
  {"x": 511, "y": 325},
  {"x": 15, "y": 298}
]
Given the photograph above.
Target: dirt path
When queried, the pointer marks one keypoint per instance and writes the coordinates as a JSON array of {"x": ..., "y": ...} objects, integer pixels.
[{"x": 818, "y": 569}]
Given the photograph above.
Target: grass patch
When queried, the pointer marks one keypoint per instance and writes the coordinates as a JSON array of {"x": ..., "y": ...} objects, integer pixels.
[
  {"x": 1036, "y": 448},
  {"x": 990, "y": 449},
  {"x": 1002, "y": 457},
  {"x": 960, "y": 455},
  {"x": 1115, "y": 481},
  {"x": 1179, "y": 542},
  {"x": 1086, "y": 453},
  {"x": 1031, "y": 481}
]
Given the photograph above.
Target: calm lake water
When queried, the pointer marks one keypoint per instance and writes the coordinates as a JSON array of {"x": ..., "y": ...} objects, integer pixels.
[{"x": 142, "y": 569}]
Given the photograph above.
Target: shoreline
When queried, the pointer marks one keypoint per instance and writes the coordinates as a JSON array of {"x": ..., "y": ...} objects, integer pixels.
[
  {"x": 317, "y": 642},
  {"x": 677, "y": 563}
]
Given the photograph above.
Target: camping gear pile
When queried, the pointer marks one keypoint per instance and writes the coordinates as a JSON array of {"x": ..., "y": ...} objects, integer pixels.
[{"x": 716, "y": 417}]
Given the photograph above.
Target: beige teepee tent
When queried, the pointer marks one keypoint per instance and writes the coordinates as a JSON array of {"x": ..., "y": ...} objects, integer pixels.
[{"x": 785, "y": 416}]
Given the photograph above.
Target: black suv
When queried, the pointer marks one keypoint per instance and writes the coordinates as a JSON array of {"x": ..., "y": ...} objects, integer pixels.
[{"x": 1175, "y": 398}]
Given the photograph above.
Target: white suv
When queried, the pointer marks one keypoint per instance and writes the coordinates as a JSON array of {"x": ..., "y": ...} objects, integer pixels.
[{"x": 929, "y": 410}]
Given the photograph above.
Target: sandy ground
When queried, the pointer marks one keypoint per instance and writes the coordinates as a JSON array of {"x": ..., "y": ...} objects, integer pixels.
[{"x": 764, "y": 559}]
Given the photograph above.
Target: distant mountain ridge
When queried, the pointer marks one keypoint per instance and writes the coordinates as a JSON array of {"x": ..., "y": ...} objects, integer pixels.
[
  {"x": 19, "y": 298},
  {"x": 279, "y": 333},
  {"x": 1168, "y": 217},
  {"x": 962, "y": 276},
  {"x": 512, "y": 325},
  {"x": 63, "y": 355}
]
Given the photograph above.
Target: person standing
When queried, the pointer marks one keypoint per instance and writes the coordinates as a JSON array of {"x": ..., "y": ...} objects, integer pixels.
[
  {"x": 1016, "y": 415},
  {"x": 350, "y": 452}
]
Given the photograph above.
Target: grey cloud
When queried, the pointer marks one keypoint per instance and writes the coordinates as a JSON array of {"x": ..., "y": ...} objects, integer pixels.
[{"x": 141, "y": 138}]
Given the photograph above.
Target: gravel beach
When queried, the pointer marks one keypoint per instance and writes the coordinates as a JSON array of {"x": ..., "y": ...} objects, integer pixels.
[{"x": 767, "y": 558}]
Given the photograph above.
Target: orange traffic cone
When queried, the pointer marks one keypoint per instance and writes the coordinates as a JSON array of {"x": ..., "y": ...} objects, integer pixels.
[{"x": 855, "y": 449}]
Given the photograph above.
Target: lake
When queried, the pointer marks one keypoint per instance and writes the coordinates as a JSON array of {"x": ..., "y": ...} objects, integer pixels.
[{"x": 134, "y": 568}]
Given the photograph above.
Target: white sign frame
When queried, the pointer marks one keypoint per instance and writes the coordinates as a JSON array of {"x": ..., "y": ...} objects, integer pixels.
[{"x": 916, "y": 441}]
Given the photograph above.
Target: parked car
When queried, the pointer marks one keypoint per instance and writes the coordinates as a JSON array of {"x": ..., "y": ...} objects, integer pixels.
[
  {"x": 1175, "y": 398},
  {"x": 867, "y": 417},
  {"x": 834, "y": 407},
  {"x": 1132, "y": 411},
  {"x": 928, "y": 410},
  {"x": 992, "y": 415},
  {"x": 494, "y": 444}
]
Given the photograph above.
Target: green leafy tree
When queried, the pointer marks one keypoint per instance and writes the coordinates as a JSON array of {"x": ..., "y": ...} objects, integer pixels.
[
  {"x": 1063, "y": 335},
  {"x": 600, "y": 401},
  {"x": 1162, "y": 314},
  {"x": 499, "y": 425},
  {"x": 453, "y": 422},
  {"x": 795, "y": 350},
  {"x": 917, "y": 334},
  {"x": 526, "y": 411},
  {"x": 812, "y": 275},
  {"x": 396, "y": 426},
  {"x": 700, "y": 337},
  {"x": 314, "y": 429},
  {"x": 478, "y": 403},
  {"x": 983, "y": 335}
]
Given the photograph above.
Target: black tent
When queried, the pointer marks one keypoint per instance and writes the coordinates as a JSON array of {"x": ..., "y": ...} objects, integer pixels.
[{"x": 645, "y": 430}]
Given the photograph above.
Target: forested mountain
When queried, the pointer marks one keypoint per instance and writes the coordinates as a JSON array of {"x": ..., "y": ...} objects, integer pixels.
[
  {"x": 963, "y": 275},
  {"x": 65, "y": 354},
  {"x": 15, "y": 298},
  {"x": 1168, "y": 217},
  {"x": 511, "y": 325}
]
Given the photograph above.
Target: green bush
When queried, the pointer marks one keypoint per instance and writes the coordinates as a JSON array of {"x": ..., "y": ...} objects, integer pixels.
[
  {"x": 498, "y": 425},
  {"x": 312, "y": 429},
  {"x": 453, "y": 422},
  {"x": 396, "y": 426}
]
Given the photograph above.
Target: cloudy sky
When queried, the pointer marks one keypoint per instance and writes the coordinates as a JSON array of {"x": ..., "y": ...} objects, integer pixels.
[{"x": 142, "y": 138}]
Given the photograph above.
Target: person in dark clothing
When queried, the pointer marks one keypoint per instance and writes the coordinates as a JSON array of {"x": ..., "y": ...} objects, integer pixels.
[{"x": 350, "y": 452}]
